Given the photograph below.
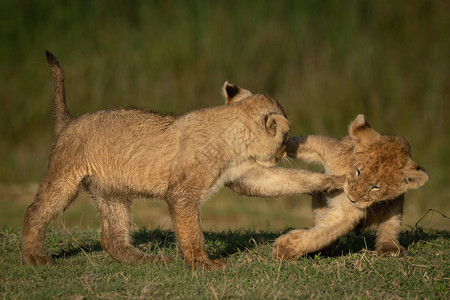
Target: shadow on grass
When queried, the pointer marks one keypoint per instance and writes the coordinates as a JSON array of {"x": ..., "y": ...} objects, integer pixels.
[
  {"x": 219, "y": 244},
  {"x": 85, "y": 247},
  {"x": 355, "y": 242},
  {"x": 224, "y": 244}
]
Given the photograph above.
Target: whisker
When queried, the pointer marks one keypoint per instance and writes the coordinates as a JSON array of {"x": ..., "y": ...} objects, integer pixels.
[
  {"x": 287, "y": 161},
  {"x": 373, "y": 213}
]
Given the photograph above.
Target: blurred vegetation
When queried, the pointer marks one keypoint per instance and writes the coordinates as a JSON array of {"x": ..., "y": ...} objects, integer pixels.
[{"x": 325, "y": 61}]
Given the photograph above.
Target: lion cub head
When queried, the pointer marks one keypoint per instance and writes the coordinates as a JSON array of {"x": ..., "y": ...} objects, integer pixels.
[
  {"x": 266, "y": 127},
  {"x": 381, "y": 166}
]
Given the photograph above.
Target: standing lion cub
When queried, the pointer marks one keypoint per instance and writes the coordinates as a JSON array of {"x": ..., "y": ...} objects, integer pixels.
[
  {"x": 125, "y": 153},
  {"x": 379, "y": 171}
]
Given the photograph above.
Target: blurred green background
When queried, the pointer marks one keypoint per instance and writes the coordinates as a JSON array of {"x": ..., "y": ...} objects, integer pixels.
[{"x": 325, "y": 61}]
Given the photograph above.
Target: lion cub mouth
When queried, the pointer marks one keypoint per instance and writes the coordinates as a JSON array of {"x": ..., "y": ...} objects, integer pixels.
[
  {"x": 356, "y": 204},
  {"x": 272, "y": 162},
  {"x": 267, "y": 163}
]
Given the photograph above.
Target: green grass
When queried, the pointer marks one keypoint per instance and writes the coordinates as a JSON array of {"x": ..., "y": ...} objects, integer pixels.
[{"x": 83, "y": 269}]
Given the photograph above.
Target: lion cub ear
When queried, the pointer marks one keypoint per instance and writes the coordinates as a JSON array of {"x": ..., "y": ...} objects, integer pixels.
[
  {"x": 233, "y": 93},
  {"x": 361, "y": 130},
  {"x": 414, "y": 176},
  {"x": 271, "y": 124},
  {"x": 275, "y": 123}
]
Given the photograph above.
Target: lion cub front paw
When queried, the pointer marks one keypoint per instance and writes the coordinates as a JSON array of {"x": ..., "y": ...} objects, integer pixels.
[
  {"x": 207, "y": 264},
  {"x": 286, "y": 248},
  {"x": 333, "y": 184},
  {"x": 388, "y": 249}
]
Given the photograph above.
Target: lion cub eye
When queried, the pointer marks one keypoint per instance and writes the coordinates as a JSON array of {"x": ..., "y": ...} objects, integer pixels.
[
  {"x": 375, "y": 188},
  {"x": 358, "y": 172}
]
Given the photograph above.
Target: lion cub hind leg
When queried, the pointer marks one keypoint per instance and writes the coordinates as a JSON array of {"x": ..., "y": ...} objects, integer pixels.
[
  {"x": 116, "y": 223},
  {"x": 336, "y": 222},
  {"x": 55, "y": 194}
]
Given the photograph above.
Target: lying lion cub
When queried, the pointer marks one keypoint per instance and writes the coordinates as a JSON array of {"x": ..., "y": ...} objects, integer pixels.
[
  {"x": 379, "y": 171},
  {"x": 125, "y": 153}
]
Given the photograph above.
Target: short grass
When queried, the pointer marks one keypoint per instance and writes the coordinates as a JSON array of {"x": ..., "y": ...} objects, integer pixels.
[{"x": 83, "y": 270}]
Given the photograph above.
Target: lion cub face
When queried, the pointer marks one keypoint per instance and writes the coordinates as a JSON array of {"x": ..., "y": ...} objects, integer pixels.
[
  {"x": 266, "y": 125},
  {"x": 381, "y": 166}
]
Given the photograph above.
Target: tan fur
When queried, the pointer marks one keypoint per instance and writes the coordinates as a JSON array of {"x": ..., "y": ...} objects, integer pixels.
[
  {"x": 379, "y": 170},
  {"x": 125, "y": 153}
]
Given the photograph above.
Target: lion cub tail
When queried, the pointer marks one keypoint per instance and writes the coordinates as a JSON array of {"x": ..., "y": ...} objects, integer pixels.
[{"x": 60, "y": 111}]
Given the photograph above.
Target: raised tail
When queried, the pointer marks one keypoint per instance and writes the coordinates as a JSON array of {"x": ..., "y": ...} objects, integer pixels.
[{"x": 60, "y": 111}]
